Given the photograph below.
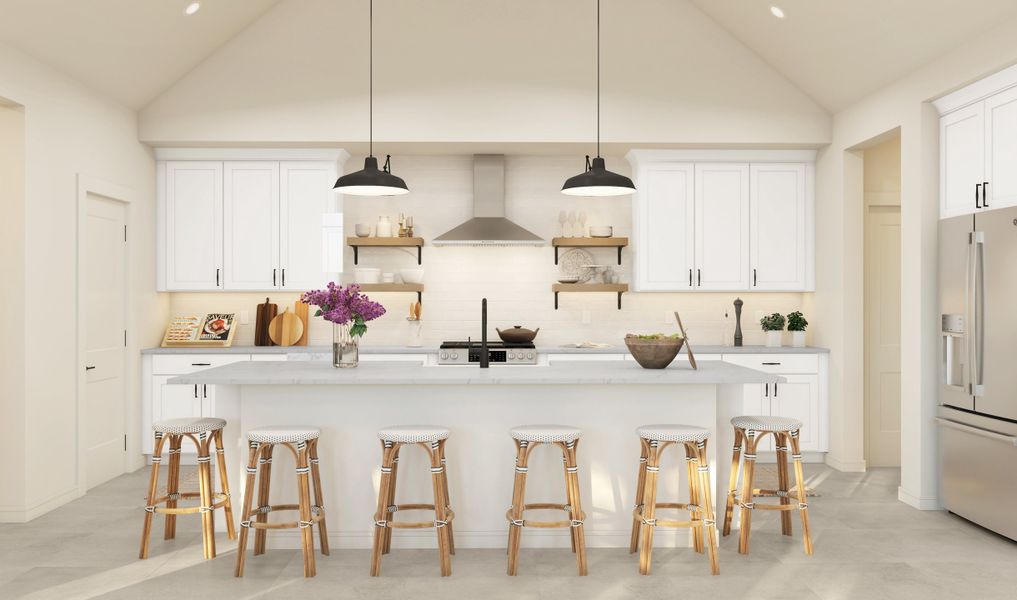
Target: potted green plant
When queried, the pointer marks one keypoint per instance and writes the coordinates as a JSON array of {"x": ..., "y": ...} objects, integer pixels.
[
  {"x": 796, "y": 324},
  {"x": 773, "y": 325}
]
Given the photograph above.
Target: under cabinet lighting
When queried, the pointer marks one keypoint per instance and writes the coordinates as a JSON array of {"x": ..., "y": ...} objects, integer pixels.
[
  {"x": 192, "y": 8},
  {"x": 777, "y": 12}
]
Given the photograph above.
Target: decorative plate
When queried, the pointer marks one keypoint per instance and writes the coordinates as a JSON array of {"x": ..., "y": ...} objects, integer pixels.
[{"x": 573, "y": 264}]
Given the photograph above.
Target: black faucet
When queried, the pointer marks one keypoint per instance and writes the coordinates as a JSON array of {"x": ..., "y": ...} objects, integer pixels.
[{"x": 485, "y": 359}]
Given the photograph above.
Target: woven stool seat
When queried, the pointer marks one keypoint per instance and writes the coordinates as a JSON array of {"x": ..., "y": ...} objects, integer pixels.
[
  {"x": 673, "y": 433},
  {"x": 282, "y": 435},
  {"x": 545, "y": 433},
  {"x": 766, "y": 423},
  {"x": 413, "y": 434},
  {"x": 189, "y": 425}
]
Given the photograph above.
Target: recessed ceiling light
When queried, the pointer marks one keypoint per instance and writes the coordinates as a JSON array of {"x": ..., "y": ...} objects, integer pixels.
[
  {"x": 192, "y": 8},
  {"x": 777, "y": 12}
]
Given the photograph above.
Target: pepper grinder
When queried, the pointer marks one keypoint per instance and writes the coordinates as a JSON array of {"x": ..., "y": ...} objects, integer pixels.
[{"x": 738, "y": 322}]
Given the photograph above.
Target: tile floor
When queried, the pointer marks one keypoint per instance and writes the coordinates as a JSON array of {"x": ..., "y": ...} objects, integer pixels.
[{"x": 868, "y": 546}]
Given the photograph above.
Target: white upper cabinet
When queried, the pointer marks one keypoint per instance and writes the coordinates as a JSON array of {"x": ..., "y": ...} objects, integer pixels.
[
  {"x": 722, "y": 226},
  {"x": 664, "y": 224},
  {"x": 192, "y": 226},
  {"x": 306, "y": 195},
  {"x": 251, "y": 219},
  {"x": 1001, "y": 150},
  {"x": 779, "y": 230},
  {"x": 962, "y": 159}
]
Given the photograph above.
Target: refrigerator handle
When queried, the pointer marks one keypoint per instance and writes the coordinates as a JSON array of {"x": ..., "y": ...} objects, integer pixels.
[{"x": 977, "y": 281}]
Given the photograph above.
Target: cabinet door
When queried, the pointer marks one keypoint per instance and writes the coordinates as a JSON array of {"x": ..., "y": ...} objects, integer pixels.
[
  {"x": 799, "y": 399},
  {"x": 305, "y": 195},
  {"x": 962, "y": 160},
  {"x": 757, "y": 403},
  {"x": 173, "y": 401},
  {"x": 193, "y": 222},
  {"x": 251, "y": 217},
  {"x": 722, "y": 226},
  {"x": 1001, "y": 149},
  {"x": 779, "y": 227},
  {"x": 663, "y": 211}
]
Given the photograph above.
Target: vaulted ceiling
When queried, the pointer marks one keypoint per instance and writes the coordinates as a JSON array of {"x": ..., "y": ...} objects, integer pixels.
[{"x": 836, "y": 51}]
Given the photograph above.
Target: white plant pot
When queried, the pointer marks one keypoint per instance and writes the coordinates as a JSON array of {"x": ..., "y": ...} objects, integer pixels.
[
  {"x": 774, "y": 339},
  {"x": 797, "y": 339}
]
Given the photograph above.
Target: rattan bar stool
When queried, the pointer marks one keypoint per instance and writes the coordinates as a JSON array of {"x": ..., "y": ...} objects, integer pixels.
[
  {"x": 303, "y": 443},
  {"x": 785, "y": 431},
  {"x": 654, "y": 439},
  {"x": 432, "y": 439},
  {"x": 203, "y": 432},
  {"x": 527, "y": 438}
]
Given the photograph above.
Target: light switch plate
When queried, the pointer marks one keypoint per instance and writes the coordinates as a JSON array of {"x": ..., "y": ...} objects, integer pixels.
[{"x": 245, "y": 317}]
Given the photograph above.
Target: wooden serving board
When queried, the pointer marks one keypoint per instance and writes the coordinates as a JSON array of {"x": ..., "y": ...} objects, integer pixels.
[
  {"x": 286, "y": 328},
  {"x": 301, "y": 310},
  {"x": 264, "y": 315}
]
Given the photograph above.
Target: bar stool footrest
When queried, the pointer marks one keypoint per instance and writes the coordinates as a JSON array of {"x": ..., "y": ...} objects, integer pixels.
[
  {"x": 545, "y": 524},
  {"x": 318, "y": 513}
]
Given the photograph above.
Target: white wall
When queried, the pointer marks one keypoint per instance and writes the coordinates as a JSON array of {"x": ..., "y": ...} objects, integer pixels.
[
  {"x": 516, "y": 281},
  {"x": 68, "y": 131},
  {"x": 839, "y": 252},
  {"x": 476, "y": 71}
]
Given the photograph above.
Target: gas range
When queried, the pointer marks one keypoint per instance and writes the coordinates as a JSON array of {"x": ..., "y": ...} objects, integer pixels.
[{"x": 499, "y": 353}]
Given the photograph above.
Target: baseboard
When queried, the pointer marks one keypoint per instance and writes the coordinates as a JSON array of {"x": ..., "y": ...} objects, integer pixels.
[
  {"x": 846, "y": 466},
  {"x": 26, "y": 514},
  {"x": 919, "y": 502}
]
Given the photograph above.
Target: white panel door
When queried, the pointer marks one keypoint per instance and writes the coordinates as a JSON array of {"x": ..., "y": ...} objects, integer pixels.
[
  {"x": 193, "y": 223},
  {"x": 779, "y": 228},
  {"x": 663, "y": 212},
  {"x": 882, "y": 339},
  {"x": 305, "y": 195},
  {"x": 1001, "y": 150},
  {"x": 962, "y": 160},
  {"x": 251, "y": 219},
  {"x": 722, "y": 226},
  {"x": 798, "y": 398}
]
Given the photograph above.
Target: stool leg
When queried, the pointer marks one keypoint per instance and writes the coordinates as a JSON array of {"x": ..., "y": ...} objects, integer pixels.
[
  {"x": 572, "y": 483},
  {"x": 172, "y": 485},
  {"x": 153, "y": 487},
  {"x": 224, "y": 484},
  {"x": 304, "y": 504},
  {"x": 649, "y": 507},
  {"x": 747, "y": 503},
  {"x": 319, "y": 497},
  {"x": 705, "y": 498},
  {"x": 523, "y": 450},
  {"x": 440, "y": 514},
  {"x": 640, "y": 484},
  {"x": 386, "y": 546},
  {"x": 448, "y": 501},
  {"x": 782, "y": 442},
  {"x": 803, "y": 506},
  {"x": 264, "y": 486},
  {"x": 568, "y": 496},
  {"x": 732, "y": 494},
  {"x": 382, "y": 516},
  {"x": 205, "y": 493},
  {"x": 246, "y": 505},
  {"x": 691, "y": 461}
]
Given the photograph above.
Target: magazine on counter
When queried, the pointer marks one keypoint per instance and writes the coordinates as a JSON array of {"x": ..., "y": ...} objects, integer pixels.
[{"x": 213, "y": 329}]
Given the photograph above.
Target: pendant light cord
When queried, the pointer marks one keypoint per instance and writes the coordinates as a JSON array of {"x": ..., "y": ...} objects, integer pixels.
[
  {"x": 598, "y": 78},
  {"x": 370, "y": 60}
]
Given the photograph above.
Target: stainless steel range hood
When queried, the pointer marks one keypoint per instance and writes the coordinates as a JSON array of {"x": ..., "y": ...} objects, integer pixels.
[{"x": 488, "y": 227}]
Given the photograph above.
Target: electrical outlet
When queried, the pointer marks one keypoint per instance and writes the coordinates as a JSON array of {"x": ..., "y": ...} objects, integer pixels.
[
  {"x": 245, "y": 317},
  {"x": 587, "y": 318}
]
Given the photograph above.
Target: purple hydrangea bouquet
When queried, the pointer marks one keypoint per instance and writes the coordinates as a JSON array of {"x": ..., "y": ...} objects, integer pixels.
[{"x": 349, "y": 311}]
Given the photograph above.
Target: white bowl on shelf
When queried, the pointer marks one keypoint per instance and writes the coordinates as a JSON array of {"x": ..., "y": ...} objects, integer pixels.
[
  {"x": 362, "y": 230},
  {"x": 601, "y": 231},
  {"x": 412, "y": 274},
  {"x": 367, "y": 275}
]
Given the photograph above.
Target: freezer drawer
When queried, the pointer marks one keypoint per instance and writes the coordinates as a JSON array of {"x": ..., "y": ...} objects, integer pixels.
[{"x": 979, "y": 473}]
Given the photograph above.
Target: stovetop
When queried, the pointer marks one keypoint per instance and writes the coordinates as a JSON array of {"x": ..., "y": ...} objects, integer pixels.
[
  {"x": 498, "y": 352},
  {"x": 492, "y": 345}
]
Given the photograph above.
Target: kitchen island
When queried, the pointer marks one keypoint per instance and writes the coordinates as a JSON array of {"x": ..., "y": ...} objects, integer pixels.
[{"x": 607, "y": 399}]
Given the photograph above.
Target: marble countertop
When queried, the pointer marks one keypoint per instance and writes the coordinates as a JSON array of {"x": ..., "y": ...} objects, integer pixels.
[
  {"x": 396, "y": 373},
  {"x": 698, "y": 349}
]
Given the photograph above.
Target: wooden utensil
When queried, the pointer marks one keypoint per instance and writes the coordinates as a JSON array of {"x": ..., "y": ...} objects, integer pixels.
[
  {"x": 688, "y": 346},
  {"x": 286, "y": 328},
  {"x": 301, "y": 310},
  {"x": 264, "y": 315}
]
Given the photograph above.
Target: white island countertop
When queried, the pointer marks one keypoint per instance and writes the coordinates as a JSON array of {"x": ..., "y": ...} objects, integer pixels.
[{"x": 398, "y": 373}]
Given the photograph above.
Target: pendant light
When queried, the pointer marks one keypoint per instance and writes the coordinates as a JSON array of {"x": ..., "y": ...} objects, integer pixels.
[
  {"x": 371, "y": 181},
  {"x": 596, "y": 180}
]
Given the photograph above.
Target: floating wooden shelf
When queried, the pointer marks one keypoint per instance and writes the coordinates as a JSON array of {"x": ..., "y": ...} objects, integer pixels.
[
  {"x": 589, "y": 242},
  {"x": 618, "y": 288},
  {"x": 418, "y": 288},
  {"x": 384, "y": 242}
]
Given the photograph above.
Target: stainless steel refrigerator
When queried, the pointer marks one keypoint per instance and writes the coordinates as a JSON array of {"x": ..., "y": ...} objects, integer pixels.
[{"x": 978, "y": 371}]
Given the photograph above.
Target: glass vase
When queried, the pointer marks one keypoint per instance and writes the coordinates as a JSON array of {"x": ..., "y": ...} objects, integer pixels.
[{"x": 345, "y": 347}]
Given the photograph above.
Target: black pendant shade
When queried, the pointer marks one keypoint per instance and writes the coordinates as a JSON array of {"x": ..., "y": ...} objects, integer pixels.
[
  {"x": 371, "y": 181},
  {"x": 597, "y": 181}
]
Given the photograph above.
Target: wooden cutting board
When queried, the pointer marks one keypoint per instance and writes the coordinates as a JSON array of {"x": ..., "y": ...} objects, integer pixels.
[
  {"x": 301, "y": 310},
  {"x": 264, "y": 315},
  {"x": 286, "y": 328}
]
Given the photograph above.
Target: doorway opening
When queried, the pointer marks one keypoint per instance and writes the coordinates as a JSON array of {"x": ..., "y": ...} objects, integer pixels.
[{"x": 882, "y": 266}]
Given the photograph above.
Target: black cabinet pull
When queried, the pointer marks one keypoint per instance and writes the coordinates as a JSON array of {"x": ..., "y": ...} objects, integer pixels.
[
  {"x": 217, "y": 278},
  {"x": 89, "y": 368},
  {"x": 690, "y": 277},
  {"x": 985, "y": 194},
  {"x": 767, "y": 390},
  {"x": 774, "y": 390},
  {"x": 195, "y": 390},
  {"x": 753, "y": 278},
  {"x": 771, "y": 364},
  {"x": 978, "y": 191},
  {"x": 204, "y": 390},
  {"x": 273, "y": 276},
  {"x": 284, "y": 277},
  {"x": 201, "y": 364},
  {"x": 699, "y": 278}
]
